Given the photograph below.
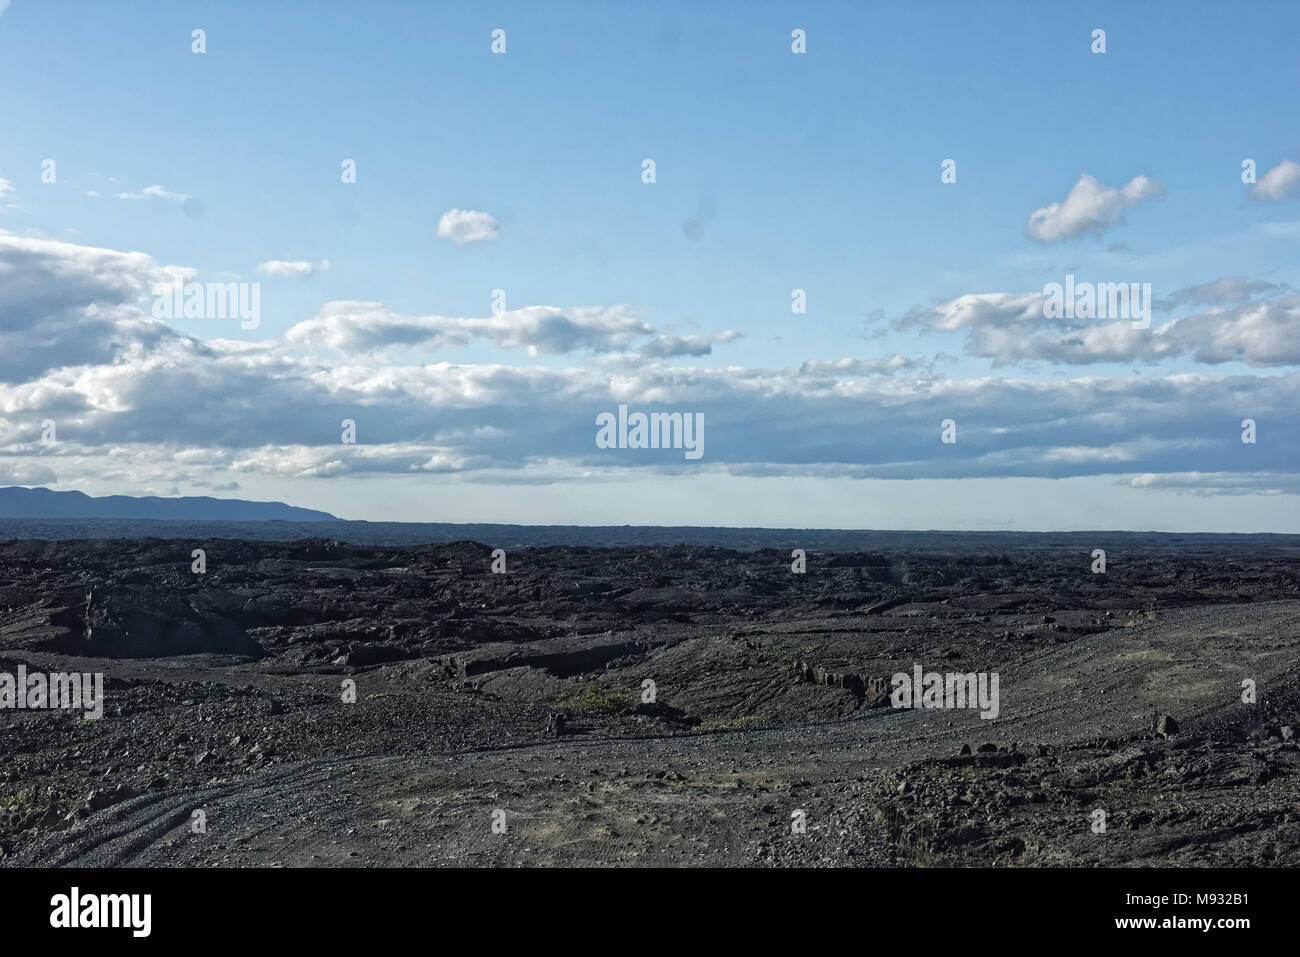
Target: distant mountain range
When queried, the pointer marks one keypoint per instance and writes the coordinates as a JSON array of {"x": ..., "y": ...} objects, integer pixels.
[
  {"x": 39, "y": 514},
  {"x": 16, "y": 502}
]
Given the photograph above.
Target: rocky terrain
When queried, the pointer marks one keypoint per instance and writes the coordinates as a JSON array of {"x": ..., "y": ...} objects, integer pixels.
[{"x": 325, "y": 703}]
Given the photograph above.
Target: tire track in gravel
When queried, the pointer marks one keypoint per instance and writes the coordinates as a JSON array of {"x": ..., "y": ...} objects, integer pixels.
[{"x": 118, "y": 835}]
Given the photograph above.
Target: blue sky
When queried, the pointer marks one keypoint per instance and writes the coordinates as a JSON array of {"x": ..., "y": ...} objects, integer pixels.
[{"x": 775, "y": 171}]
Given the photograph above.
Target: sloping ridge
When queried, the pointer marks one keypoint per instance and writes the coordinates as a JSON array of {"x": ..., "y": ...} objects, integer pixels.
[
  {"x": 19, "y": 502},
  {"x": 1187, "y": 662}
]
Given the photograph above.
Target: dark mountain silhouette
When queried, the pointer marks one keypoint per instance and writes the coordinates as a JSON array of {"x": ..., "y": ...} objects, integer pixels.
[{"x": 17, "y": 502}]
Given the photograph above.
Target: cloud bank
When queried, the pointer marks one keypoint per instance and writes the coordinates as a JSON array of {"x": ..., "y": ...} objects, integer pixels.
[{"x": 141, "y": 401}]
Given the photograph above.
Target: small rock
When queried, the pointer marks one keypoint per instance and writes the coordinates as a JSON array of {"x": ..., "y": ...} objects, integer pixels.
[{"x": 96, "y": 800}]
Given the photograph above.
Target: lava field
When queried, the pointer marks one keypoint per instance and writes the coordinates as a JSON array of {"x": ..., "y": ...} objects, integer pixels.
[{"x": 323, "y": 703}]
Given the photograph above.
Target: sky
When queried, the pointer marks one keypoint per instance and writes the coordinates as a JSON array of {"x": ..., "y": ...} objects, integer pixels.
[{"x": 850, "y": 238}]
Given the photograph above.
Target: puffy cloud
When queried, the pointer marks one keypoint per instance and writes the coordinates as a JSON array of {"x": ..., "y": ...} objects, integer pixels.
[
  {"x": 1263, "y": 333},
  {"x": 668, "y": 346},
  {"x": 1279, "y": 182},
  {"x": 65, "y": 304},
  {"x": 1089, "y": 208},
  {"x": 464, "y": 226},
  {"x": 289, "y": 268},
  {"x": 1013, "y": 327},
  {"x": 349, "y": 325},
  {"x": 978, "y": 309}
]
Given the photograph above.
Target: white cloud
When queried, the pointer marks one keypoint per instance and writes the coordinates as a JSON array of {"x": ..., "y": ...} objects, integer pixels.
[
  {"x": 983, "y": 309},
  {"x": 1265, "y": 333},
  {"x": 668, "y": 346},
  {"x": 6, "y": 187},
  {"x": 287, "y": 269},
  {"x": 65, "y": 304},
  {"x": 361, "y": 326},
  {"x": 155, "y": 192},
  {"x": 1279, "y": 182},
  {"x": 463, "y": 226},
  {"x": 1011, "y": 327},
  {"x": 140, "y": 403},
  {"x": 1090, "y": 208}
]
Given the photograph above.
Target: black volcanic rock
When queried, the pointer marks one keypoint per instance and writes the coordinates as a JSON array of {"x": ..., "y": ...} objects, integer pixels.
[
  {"x": 661, "y": 706},
  {"x": 117, "y": 624}
]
